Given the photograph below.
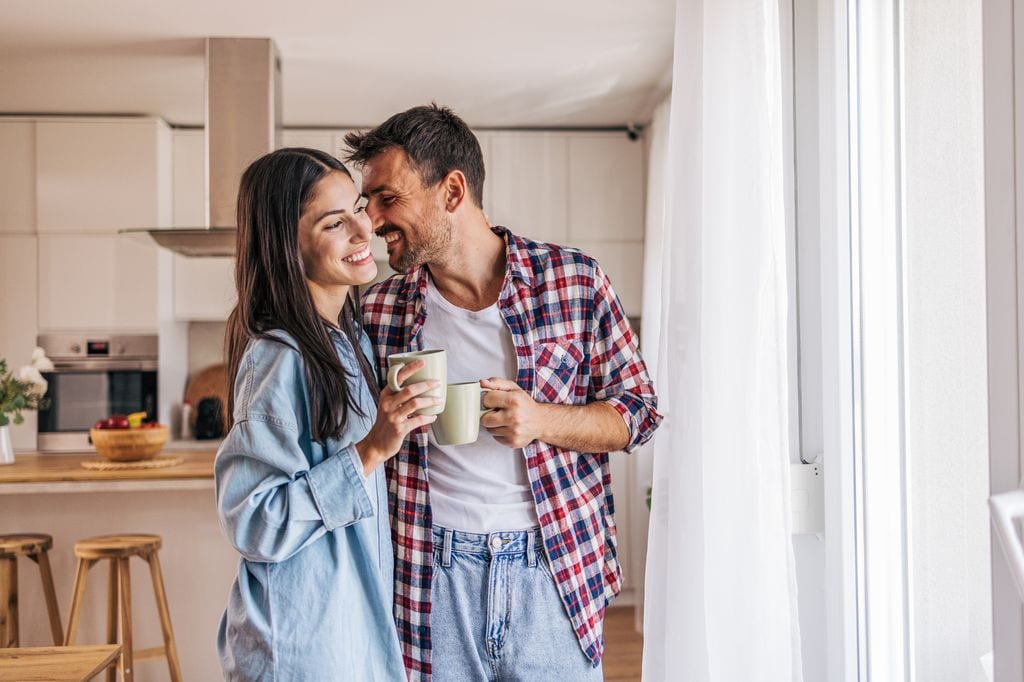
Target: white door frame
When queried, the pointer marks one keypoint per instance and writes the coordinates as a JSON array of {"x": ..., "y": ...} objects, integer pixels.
[
  {"x": 837, "y": 344},
  {"x": 1003, "y": 57}
]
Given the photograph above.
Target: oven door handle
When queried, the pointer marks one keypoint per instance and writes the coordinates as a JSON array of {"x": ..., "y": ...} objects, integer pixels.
[{"x": 103, "y": 366}]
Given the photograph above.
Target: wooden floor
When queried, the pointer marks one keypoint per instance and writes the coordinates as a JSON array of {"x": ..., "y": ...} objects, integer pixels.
[{"x": 623, "y": 646}]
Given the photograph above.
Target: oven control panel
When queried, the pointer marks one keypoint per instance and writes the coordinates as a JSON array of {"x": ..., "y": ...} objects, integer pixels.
[{"x": 99, "y": 346}]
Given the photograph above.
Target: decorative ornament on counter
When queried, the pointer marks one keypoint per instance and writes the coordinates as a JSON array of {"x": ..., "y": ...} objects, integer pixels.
[
  {"x": 209, "y": 421},
  {"x": 20, "y": 391}
]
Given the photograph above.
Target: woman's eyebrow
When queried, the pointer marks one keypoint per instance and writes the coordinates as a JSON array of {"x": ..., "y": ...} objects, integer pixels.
[{"x": 333, "y": 212}]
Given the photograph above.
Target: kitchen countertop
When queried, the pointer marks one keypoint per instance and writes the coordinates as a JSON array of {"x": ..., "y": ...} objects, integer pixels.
[{"x": 63, "y": 472}]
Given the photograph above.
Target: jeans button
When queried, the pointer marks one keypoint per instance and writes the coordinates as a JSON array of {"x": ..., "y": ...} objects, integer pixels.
[{"x": 495, "y": 543}]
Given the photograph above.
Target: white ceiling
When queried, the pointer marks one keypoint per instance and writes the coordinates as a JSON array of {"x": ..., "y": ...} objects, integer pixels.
[{"x": 524, "y": 63}]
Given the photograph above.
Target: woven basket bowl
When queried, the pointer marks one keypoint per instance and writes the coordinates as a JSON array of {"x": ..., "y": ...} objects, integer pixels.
[{"x": 129, "y": 445}]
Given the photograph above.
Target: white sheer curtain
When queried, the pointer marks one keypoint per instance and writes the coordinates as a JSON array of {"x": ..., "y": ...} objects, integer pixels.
[{"x": 720, "y": 603}]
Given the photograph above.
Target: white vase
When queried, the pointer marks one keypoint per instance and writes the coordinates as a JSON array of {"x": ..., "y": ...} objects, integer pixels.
[{"x": 6, "y": 449}]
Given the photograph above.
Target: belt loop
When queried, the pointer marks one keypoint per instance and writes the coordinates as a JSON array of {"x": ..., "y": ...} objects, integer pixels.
[
  {"x": 531, "y": 549},
  {"x": 446, "y": 550}
]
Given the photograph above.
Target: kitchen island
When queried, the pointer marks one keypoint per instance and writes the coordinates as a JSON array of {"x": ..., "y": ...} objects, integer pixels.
[
  {"x": 63, "y": 472},
  {"x": 52, "y": 493}
]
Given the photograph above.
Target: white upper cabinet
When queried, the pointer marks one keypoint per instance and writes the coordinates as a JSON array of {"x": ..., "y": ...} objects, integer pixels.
[
  {"x": 204, "y": 288},
  {"x": 606, "y": 187},
  {"x": 322, "y": 140},
  {"x": 527, "y": 184},
  {"x": 189, "y": 179},
  {"x": 17, "y": 177},
  {"x": 101, "y": 175},
  {"x": 97, "y": 281},
  {"x": 623, "y": 263},
  {"x": 18, "y": 323}
]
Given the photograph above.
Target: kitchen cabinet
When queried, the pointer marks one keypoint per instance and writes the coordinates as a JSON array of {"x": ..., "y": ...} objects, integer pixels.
[
  {"x": 102, "y": 175},
  {"x": 18, "y": 317},
  {"x": 331, "y": 141},
  {"x": 103, "y": 282},
  {"x": 189, "y": 183},
  {"x": 606, "y": 188},
  {"x": 623, "y": 262},
  {"x": 17, "y": 177},
  {"x": 323, "y": 140},
  {"x": 527, "y": 184},
  {"x": 204, "y": 288}
]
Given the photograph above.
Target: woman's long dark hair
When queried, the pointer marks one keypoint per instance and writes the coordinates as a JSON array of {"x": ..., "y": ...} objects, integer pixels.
[{"x": 272, "y": 288}]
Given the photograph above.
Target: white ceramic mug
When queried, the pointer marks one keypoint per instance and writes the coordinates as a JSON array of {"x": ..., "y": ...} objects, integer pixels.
[
  {"x": 436, "y": 368},
  {"x": 459, "y": 423}
]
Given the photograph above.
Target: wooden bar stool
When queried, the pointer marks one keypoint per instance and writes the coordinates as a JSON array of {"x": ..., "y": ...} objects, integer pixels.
[
  {"x": 118, "y": 549},
  {"x": 33, "y": 546}
]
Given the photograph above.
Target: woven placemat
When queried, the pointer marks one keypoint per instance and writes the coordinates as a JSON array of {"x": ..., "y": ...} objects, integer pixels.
[{"x": 158, "y": 462}]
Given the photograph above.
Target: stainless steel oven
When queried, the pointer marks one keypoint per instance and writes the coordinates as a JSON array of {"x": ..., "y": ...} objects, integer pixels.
[{"x": 93, "y": 377}]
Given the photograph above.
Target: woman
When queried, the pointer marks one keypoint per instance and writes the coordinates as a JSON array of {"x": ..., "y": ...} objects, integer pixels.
[{"x": 300, "y": 489}]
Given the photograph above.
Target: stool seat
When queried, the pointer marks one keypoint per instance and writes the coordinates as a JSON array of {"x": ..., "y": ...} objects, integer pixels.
[
  {"x": 117, "y": 546},
  {"x": 24, "y": 544}
]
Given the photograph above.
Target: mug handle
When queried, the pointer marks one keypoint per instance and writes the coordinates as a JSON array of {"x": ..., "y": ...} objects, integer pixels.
[
  {"x": 485, "y": 410},
  {"x": 393, "y": 378}
]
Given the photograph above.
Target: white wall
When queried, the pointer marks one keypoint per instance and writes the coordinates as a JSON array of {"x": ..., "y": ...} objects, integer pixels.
[{"x": 946, "y": 405}]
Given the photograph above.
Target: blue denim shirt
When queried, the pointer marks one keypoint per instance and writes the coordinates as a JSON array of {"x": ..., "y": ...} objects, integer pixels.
[{"x": 313, "y": 596}]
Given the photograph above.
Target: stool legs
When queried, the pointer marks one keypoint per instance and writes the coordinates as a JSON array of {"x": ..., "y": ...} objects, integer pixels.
[
  {"x": 119, "y": 614},
  {"x": 76, "y": 599},
  {"x": 9, "y": 602},
  {"x": 124, "y": 578},
  {"x": 112, "y": 615},
  {"x": 43, "y": 560},
  {"x": 165, "y": 616}
]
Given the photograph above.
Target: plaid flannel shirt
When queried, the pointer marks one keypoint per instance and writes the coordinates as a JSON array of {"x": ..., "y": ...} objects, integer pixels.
[{"x": 573, "y": 346}]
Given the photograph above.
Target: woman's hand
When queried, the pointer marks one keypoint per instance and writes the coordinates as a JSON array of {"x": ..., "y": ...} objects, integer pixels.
[{"x": 396, "y": 417}]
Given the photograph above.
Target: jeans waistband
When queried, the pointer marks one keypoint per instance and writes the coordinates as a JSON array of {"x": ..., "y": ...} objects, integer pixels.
[{"x": 497, "y": 542}]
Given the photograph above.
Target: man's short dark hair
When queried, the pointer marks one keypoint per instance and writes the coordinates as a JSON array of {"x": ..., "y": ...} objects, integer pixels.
[{"x": 435, "y": 140}]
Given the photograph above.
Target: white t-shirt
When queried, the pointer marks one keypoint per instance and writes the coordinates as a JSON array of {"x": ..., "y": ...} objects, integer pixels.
[{"x": 479, "y": 487}]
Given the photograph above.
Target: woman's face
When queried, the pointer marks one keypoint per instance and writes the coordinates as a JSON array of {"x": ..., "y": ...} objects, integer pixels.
[{"x": 334, "y": 235}]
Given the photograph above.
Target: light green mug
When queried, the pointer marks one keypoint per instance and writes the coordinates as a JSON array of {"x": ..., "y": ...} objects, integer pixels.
[
  {"x": 436, "y": 368},
  {"x": 459, "y": 423}
]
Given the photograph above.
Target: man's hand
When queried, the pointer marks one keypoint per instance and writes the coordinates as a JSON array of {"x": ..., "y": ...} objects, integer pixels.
[{"x": 517, "y": 418}]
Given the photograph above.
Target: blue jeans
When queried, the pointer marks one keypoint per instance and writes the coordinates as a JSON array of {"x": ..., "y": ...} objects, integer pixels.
[{"x": 496, "y": 613}]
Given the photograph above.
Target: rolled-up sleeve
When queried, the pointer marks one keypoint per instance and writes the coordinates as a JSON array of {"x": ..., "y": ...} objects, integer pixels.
[
  {"x": 272, "y": 503},
  {"x": 271, "y": 498},
  {"x": 618, "y": 373}
]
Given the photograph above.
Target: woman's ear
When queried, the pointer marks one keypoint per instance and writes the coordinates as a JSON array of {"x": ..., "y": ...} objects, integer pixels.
[{"x": 454, "y": 190}]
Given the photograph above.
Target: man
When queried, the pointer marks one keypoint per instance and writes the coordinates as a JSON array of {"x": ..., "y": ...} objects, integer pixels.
[{"x": 505, "y": 548}]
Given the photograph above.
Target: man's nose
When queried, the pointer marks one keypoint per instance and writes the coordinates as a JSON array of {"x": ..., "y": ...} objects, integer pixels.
[{"x": 376, "y": 216}]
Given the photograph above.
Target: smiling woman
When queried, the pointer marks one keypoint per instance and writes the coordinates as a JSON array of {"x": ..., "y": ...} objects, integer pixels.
[
  {"x": 300, "y": 490},
  {"x": 334, "y": 241}
]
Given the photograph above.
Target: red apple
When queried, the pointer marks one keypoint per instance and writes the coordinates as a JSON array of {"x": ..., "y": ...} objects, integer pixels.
[
  {"x": 101, "y": 424},
  {"x": 150, "y": 425},
  {"x": 117, "y": 421}
]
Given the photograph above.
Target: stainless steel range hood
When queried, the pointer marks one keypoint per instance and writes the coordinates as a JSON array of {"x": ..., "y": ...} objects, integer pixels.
[{"x": 243, "y": 102}]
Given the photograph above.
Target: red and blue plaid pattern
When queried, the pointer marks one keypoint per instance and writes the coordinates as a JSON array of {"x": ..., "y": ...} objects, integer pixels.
[{"x": 574, "y": 346}]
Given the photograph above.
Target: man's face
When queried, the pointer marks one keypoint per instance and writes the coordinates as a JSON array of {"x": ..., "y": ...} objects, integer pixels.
[{"x": 411, "y": 218}]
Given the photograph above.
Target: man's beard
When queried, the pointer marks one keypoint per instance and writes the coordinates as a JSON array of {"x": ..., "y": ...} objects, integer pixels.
[{"x": 436, "y": 241}]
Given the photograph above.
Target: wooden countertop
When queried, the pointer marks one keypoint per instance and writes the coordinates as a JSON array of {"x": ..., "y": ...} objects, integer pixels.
[{"x": 64, "y": 473}]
